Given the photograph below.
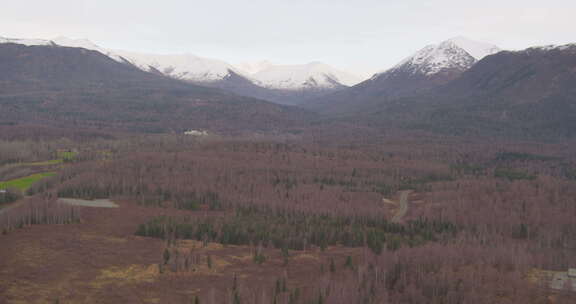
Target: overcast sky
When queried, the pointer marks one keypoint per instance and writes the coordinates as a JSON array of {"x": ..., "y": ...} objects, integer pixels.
[{"x": 363, "y": 36}]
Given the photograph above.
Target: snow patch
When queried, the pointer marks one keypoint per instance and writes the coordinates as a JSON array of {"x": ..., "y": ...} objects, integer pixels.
[
  {"x": 457, "y": 53},
  {"x": 85, "y": 44},
  {"x": 185, "y": 66},
  {"x": 293, "y": 77},
  {"x": 28, "y": 42},
  {"x": 553, "y": 47}
]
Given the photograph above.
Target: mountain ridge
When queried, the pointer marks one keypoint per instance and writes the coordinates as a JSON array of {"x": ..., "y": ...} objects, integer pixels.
[
  {"x": 71, "y": 86},
  {"x": 195, "y": 68},
  {"x": 430, "y": 67},
  {"x": 525, "y": 93},
  {"x": 282, "y": 84}
]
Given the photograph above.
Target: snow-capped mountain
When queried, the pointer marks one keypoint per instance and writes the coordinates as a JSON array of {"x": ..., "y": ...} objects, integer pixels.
[
  {"x": 185, "y": 66},
  {"x": 85, "y": 44},
  {"x": 74, "y": 87},
  {"x": 66, "y": 42},
  {"x": 314, "y": 75},
  {"x": 181, "y": 66},
  {"x": 454, "y": 54},
  {"x": 432, "y": 66},
  {"x": 519, "y": 93},
  {"x": 317, "y": 77}
]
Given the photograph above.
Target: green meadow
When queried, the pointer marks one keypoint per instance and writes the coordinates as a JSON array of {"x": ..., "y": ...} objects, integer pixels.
[{"x": 26, "y": 182}]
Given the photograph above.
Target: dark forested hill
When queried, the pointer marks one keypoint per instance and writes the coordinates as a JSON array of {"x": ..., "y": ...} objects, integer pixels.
[
  {"x": 530, "y": 92},
  {"x": 72, "y": 86},
  {"x": 433, "y": 66}
]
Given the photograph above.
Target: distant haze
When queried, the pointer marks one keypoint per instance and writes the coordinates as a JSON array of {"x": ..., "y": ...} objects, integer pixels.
[{"x": 362, "y": 36}]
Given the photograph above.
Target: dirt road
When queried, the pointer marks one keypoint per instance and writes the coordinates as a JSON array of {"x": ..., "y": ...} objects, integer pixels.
[{"x": 402, "y": 207}]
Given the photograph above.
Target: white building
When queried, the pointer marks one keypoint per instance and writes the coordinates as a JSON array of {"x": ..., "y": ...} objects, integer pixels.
[{"x": 196, "y": 133}]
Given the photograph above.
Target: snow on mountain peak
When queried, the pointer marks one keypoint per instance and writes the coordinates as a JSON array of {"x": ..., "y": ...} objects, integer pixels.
[
  {"x": 457, "y": 53},
  {"x": 198, "y": 69},
  {"x": 181, "y": 66},
  {"x": 310, "y": 75},
  {"x": 85, "y": 44},
  {"x": 69, "y": 42},
  {"x": 562, "y": 47},
  {"x": 27, "y": 42}
]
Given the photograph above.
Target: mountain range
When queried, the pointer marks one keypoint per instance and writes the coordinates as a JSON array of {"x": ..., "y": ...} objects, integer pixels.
[
  {"x": 459, "y": 86},
  {"x": 527, "y": 93},
  {"x": 71, "y": 86},
  {"x": 284, "y": 84}
]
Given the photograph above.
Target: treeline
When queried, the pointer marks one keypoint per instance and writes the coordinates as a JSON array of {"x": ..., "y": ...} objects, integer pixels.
[
  {"x": 18, "y": 151},
  {"x": 537, "y": 212},
  {"x": 217, "y": 176},
  {"x": 9, "y": 195},
  {"x": 294, "y": 230},
  {"x": 459, "y": 272},
  {"x": 463, "y": 271},
  {"x": 38, "y": 210}
]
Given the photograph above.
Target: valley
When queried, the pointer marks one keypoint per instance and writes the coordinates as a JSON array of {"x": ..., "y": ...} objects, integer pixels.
[
  {"x": 130, "y": 177},
  {"x": 216, "y": 218}
]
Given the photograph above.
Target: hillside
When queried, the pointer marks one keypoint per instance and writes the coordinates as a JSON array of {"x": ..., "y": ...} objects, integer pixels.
[
  {"x": 529, "y": 92},
  {"x": 282, "y": 84},
  {"x": 433, "y": 66},
  {"x": 75, "y": 86}
]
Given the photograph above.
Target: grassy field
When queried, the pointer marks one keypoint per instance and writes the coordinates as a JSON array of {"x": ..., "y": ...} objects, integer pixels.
[
  {"x": 44, "y": 163},
  {"x": 63, "y": 156},
  {"x": 26, "y": 182}
]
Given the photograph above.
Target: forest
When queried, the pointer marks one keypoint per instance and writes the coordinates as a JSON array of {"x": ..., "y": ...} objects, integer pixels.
[{"x": 287, "y": 219}]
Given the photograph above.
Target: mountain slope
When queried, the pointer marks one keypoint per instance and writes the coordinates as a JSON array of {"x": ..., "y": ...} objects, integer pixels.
[
  {"x": 184, "y": 67},
  {"x": 277, "y": 83},
  {"x": 529, "y": 92},
  {"x": 26, "y": 41},
  {"x": 74, "y": 86},
  {"x": 432, "y": 66},
  {"x": 180, "y": 66},
  {"x": 239, "y": 84}
]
